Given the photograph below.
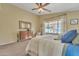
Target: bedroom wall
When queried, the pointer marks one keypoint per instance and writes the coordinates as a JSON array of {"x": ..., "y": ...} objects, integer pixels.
[
  {"x": 9, "y": 22},
  {"x": 69, "y": 16}
]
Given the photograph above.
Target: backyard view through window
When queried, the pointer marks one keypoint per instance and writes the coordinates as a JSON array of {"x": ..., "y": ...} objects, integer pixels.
[{"x": 53, "y": 27}]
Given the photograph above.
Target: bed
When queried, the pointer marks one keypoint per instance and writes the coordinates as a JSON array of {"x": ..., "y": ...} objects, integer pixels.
[{"x": 45, "y": 45}]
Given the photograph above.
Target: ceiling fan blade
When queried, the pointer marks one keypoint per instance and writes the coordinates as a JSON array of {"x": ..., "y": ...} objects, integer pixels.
[
  {"x": 37, "y": 4},
  {"x": 46, "y": 10},
  {"x": 40, "y": 4},
  {"x": 35, "y": 8},
  {"x": 45, "y": 4}
]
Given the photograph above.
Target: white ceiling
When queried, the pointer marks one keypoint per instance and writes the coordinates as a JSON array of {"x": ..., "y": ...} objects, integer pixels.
[{"x": 54, "y": 7}]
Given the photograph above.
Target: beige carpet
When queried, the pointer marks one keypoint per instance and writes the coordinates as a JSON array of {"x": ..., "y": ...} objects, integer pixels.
[{"x": 15, "y": 49}]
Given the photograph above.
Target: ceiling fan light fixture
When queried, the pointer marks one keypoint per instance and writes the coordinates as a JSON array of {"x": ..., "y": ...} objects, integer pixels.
[{"x": 40, "y": 9}]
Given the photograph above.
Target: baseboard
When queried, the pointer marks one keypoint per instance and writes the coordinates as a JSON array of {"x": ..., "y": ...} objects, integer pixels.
[{"x": 8, "y": 43}]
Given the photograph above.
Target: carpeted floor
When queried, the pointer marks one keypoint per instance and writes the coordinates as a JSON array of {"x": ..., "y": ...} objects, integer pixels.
[{"x": 15, "y": 49}]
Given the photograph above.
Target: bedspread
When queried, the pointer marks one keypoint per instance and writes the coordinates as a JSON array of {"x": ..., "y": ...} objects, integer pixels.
[{"x": 44, "y": 46}]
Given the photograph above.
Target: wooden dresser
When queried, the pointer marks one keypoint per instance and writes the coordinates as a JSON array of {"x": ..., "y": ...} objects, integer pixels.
[{"x": 24, "y": 35}]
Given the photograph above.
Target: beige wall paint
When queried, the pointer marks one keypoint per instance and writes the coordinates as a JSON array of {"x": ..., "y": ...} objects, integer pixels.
[
  {"x": 70, "y": 16},
  {"x": 9, "y": 22}
]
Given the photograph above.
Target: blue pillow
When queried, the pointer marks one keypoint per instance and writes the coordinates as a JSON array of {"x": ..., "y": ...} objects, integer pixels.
[
  {"x": 72, "y": 50},
  {"x": 69, "y": 36}
]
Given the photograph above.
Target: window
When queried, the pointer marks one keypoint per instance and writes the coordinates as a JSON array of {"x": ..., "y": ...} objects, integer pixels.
[{"x": 53, "y": 27}]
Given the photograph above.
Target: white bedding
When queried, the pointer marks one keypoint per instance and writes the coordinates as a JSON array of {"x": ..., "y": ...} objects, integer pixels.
[{"x": 44, "y": 46}]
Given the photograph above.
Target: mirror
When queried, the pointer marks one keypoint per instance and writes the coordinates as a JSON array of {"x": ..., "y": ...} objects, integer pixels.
[{"x": 24, "y": 25}]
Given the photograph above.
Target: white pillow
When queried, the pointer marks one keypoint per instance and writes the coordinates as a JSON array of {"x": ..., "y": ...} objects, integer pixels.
[{"x": 76, "y": 40}]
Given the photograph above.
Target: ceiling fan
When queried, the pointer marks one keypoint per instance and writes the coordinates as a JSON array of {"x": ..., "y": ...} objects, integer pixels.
[{"x": 41, "y": 7}]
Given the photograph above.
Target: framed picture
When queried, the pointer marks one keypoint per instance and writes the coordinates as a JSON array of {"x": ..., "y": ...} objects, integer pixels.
[
  {"x": 24, "y": 25},
  {"x": 74, "y": 21}
]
